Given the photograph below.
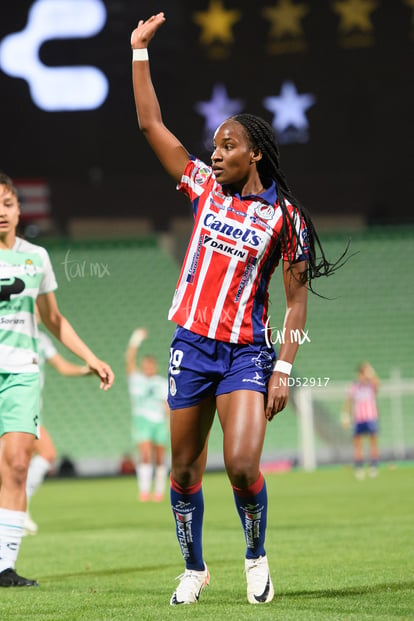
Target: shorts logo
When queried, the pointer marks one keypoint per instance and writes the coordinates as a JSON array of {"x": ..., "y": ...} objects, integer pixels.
[
  {"x": 257, "y": 379},
  {"x": 173, "y": 387},
  {"x": 263, "y": 360}
]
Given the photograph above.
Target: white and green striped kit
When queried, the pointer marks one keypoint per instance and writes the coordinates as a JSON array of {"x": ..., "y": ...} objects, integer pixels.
[{"x": 25, "y": 273}]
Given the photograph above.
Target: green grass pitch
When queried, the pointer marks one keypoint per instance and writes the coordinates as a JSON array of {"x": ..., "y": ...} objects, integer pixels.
[{"x": 339, "y": 549}]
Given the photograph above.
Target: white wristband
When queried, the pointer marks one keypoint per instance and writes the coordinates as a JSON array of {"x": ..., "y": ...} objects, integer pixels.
[
  {"x": 140, "y": 54},
  {"x": 283, "y": 367},
  {"x": 135, "y": 340}
]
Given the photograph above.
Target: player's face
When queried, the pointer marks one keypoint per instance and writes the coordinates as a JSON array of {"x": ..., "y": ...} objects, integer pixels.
[
  {"x": 232, "y": 155},
  {"x": 149, "y": 367},
  {"x": 9, "y": 211}
]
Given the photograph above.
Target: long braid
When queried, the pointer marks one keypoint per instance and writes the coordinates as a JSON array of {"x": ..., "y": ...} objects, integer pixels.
[{"x": 262, "y": 137}]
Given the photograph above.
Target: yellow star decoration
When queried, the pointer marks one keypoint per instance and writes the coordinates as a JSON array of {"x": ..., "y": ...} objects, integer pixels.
[
  {"x": 285, "y": 18},
  {"x": 355, "y": 14},
  {"x": 216, "y": 23}
]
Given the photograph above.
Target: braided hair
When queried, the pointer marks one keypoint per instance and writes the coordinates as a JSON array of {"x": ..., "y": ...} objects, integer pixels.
[{"x": 261, "y": 136}]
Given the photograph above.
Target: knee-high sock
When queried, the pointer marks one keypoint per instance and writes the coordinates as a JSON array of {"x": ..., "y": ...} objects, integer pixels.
[
  {"x": 144, "y": 477},
  {"x": 160, "y": 480},
  {"x": 11, "y": 532},
  {"x": 38, "y": 469},
  {"x": 251, "y": 504},
  {"x": 188, "y": 509}
]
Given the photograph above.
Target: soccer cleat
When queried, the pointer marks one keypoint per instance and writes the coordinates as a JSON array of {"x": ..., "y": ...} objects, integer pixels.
[
  {"x": 359, "y": 474},
  {"x": 192, "y": 582},
  {"x": 259, "y": 583},
  {"x": 144, "y": 497},
  {"x": 9, "y": 578},
  {"x": 30, "y": 527},
  {"x": 373, "y": 472}
]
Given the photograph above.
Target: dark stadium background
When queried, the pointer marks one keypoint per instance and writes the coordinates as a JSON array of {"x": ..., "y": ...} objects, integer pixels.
[
  {"x": 116, "y": 228},
  {"x": 359, "y": 156}
]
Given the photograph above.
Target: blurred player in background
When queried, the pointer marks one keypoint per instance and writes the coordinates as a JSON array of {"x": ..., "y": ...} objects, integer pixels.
[
  {"x": 361, "y": 410},
  {"x": 26, "y": 278},
  {"x": 246, "y": 222},
  {"x": 45, "y": 451},
  {"x": 148, "y": 393}
]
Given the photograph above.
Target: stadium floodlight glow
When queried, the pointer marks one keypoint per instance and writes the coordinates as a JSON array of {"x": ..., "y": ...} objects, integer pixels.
[{"x": 57, "y": 88}]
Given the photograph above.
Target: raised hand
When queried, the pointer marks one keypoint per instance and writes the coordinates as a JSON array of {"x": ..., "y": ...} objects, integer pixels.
[{"x": 146, "y": 30}]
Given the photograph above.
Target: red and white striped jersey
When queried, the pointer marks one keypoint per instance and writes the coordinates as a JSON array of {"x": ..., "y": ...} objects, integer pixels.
[
  {"x": 222, "y": 291},
  {"x": 364, "y": 401}
]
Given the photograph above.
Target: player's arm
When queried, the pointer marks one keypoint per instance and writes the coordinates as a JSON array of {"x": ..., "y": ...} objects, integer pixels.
[
  {"x": 67, "y": 368},
  {"x": 167, "y": 413},
  {"x": 296, "y": 293},
  {"x": 60, "y": 327},
  {"x": 372, "y": 376},
  {"x": 169, "y": 150},
  {"x": 346, "y": 413},
  {"x": 137, "y": 337}
]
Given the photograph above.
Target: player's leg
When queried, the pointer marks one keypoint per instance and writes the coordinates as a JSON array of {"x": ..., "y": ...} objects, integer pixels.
[
  {"x": 160, "y": 439},
  {"x": 359, "y": 451},
  {"x": 20, "y": 397},
  {"x": 16, "y": 452},
  {"x": 161, "y": 472},
  {"x": 189, "y": 429},
  {"x": 374, "y": 454},
  {"x": 41, "y": 463},
  {"x": 243, "y": 421},
  {"x": 144, "y": 469}
]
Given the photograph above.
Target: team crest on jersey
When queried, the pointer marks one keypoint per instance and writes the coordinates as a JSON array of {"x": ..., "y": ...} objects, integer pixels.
[
  {"x": 29, "y": 268},
  {"x": 265, "y": 212}
]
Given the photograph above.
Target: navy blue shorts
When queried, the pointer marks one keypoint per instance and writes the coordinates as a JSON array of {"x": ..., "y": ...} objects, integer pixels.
[
  {"x": 369, "y": 427},
  {"x": 201, "y": 367}
]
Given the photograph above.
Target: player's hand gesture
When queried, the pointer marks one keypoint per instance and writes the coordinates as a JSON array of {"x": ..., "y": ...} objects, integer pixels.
[
  {"x": 103, "y": 371},
  {"x": 145, "y": 31},
  {"x": 277, "y": 394}
]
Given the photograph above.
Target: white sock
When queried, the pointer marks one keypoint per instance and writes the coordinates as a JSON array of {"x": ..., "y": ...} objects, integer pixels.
[
  {"x": 144, "y": 473},
  {"x": 38, "y": 469},
  {"x": 160, "y": 479},
  {"x": 11, "y": 532}
]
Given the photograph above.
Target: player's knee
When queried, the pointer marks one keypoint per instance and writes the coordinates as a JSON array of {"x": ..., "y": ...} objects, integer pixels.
[
  {"x": 185, "y": 476},
  {"x": 16, "y": 473},
  {"x": 242, "y": 473}
]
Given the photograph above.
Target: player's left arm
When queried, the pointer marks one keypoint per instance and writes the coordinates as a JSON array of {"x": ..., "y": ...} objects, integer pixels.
[
  {"x": 296, "y": 292},
  {"x": 60, "y": 327},
  {"x": 67, "y": 368},
  {"x": 136, "y": 339}
]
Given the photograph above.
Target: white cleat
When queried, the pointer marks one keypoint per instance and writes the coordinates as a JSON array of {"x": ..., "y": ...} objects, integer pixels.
[
  {"x": 192, "y": 582},
  {"x": 259, "y": 583}
]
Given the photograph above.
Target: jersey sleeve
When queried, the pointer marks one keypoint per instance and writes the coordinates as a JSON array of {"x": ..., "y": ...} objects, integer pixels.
[
  {"x": 46, "y": 346},
  {"x": 48, "y": 282},
  {"x": 197, "y": 178},
  {"x": 297, "y": 248}
]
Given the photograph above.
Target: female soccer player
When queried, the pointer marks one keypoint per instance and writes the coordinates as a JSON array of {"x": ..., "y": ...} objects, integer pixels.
[
  {"x": 246, "y": 220},
  {"x": 45, "y": 451},
  {"x": 26, "y": 277},
  {"x": 361, "y": 406},
  {"x": 150, "y": 418}
]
